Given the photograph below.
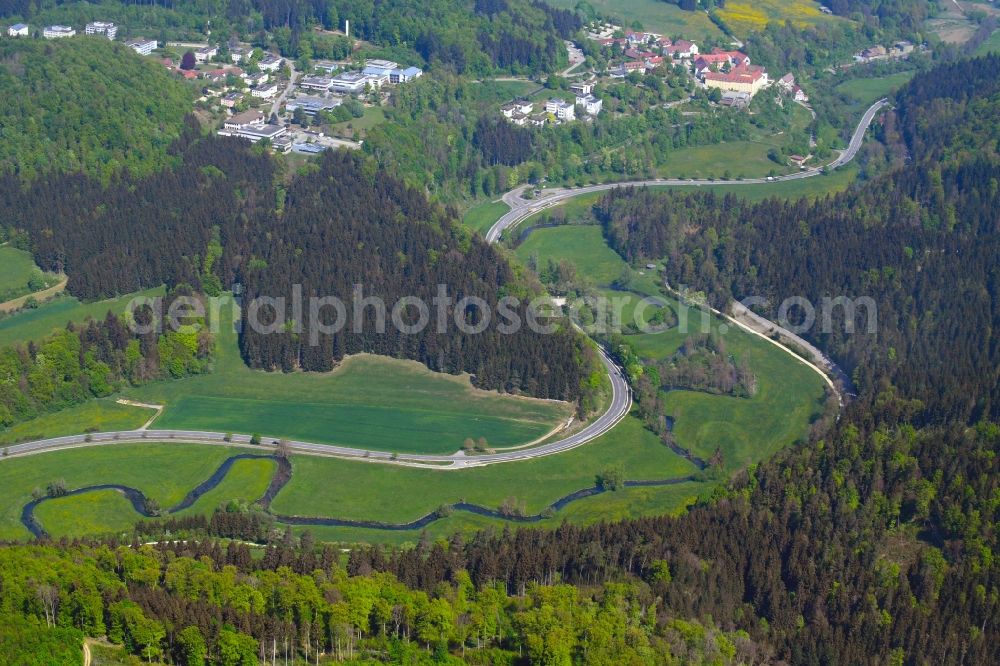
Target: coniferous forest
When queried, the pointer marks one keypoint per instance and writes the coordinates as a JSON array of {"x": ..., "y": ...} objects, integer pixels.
[
  {"x": 361, "y": 226},
  {"x": 921, "y": 240},
  {"x": 871, "y": 541}
]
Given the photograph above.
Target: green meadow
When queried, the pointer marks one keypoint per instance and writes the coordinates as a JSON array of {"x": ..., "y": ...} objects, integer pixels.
[
  {"x": 370, "y": 491},
  {"x": 867, "y": 91},
  {"x": 36, "y": 323},
  {"x": 16, "y": 268},
  {"x": 482, "y": 216},
  {"x": 328, "y": 487},
  {"x": 103, "y": 415},
  {"x": 164, "y": 472},
  {"x": 369, "y": 402},
  {"x": 746, "y": 430},
  {"x": 652, "y": 15}
]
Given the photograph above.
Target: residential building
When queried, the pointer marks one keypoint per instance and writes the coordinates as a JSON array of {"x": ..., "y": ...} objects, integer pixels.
[
  {"x": 321, "y": 83},
  {"x": 270, "y": 63},
  {"x": 735, "y": 57},
  {"x": 636, "y": 54},
  {"x": 105, "y": 28},
  {"x": 684, "y": 49},
  {"x": 873, "y": 53},
  {"x": 206, "y": 53},
  {"x": 580, "y": 89},
  {"x": 748, "y": 79},
  {"x": 634, "y": 66},
  {"x": 800, "y": 94},
  {"x": 220, "y": 75},
  {"x": 900, "y": 49},
  {"x": 232, "y": 99},
  {"x": 523, "y": 107},
  {"x": 143, "y": 46},
  {"x": 238, "y": 54},
  {"x": 17, "y": 30},
  {"x": 245, "y": 119},
  {"x": 349, "y": 82},
  {"x": 787, "y": 82},
  {"x": 58, "y": 31},
  {"x": 256, "y": 79},
  {"x": 592, "y": 105},
  {"x": 738, "y": 100},
  {"x": 312, "y": 105},
  {"x": 718, "y": 60},
  {"x": 266, "y": 91},
  {"x": 561, "y": 109}
]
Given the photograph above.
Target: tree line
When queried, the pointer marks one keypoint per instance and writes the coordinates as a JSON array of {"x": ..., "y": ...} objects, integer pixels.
[{"x": 93, "y": 360}]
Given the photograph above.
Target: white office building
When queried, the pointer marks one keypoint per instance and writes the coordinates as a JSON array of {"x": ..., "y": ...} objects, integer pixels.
[
  {"x": 105, "y": 28},
  {"x": 58, "y": 32},
  {"x": 349, "y": 82},
  {"x": 592, "y": 105},
  {"x": 270, "y": 63},
  {"x": 561, "y": 109},
  {"x": 321, "y": 83},
  {"x": 142, "y": 46}
]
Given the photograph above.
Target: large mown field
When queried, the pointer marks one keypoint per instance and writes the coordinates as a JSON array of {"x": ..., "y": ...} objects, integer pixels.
[{"x": 368, "y": 402}]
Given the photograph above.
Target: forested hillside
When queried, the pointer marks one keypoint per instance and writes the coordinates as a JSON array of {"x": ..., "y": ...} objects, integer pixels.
[
  {"x": 922, "y": 241},
  {"x": 375, "y": 232},
  {"x": 219, "y": 217},
  {"x": 85, "y": 105},
  {"x": 477, "y": 37},
  {"x": 93, "y": 360}
]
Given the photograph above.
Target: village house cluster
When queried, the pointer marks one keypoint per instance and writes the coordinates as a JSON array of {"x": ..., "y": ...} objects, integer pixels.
[
  {"x": 555, "y": 110},
  {"x": 94, "y": 28},
  {"x": 901, "y": 49},
  {"x": 729, "y": 71}
]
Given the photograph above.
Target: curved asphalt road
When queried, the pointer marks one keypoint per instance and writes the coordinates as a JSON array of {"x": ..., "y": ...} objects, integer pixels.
[
  {"x": 521, "y": 209},
  {"x": 621, "y": 401}
]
